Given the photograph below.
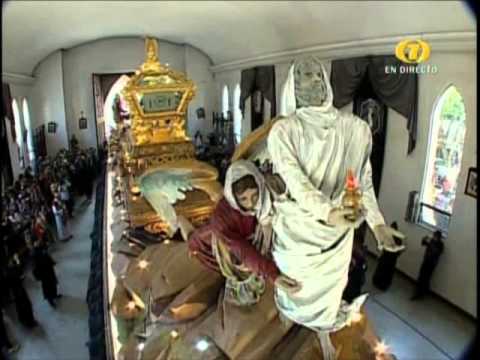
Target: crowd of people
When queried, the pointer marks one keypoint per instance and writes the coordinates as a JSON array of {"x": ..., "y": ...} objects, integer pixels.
[{"x": 36, "y": 213}]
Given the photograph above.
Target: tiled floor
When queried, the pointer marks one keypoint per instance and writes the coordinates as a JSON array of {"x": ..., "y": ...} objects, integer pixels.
[
  {"x": 427, "y": 329},
  {"x": 423, "y": 330},
  {"x": 63, "y": 332}
]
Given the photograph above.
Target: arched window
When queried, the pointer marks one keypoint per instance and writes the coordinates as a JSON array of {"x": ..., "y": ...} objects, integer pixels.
[
  {"x": 18, "y": 132},
  {"x": 28, "y": 127},
  {"x": 225, "y": 102},
  {"x": 444, "y": 158},
  {"x": 237, "y": 115},
  {"x": 17, "y": 120}
]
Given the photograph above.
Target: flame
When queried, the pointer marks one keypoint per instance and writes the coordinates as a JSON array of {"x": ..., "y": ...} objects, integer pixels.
[{"x": 351, "y": 181}]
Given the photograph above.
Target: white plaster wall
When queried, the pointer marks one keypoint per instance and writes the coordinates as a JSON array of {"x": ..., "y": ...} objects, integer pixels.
[
  {"x": 197, "y": 68},
  {"x": 47, "y": 101},
  {"x": 104, "y": 56},
  {"x": 455, "y": 277}
]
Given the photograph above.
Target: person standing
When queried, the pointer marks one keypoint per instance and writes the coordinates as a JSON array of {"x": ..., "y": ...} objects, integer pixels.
[
  {"x": 382, "y": 279},
  {"x": 61, "y": 220},
  {"x": 44, "y": 271},
  {"x": 23, "y": 305},
  {"x": 66, "y": 196},
  {"x": 6, "y": 345},
  {"x": 434, "y": 248}
]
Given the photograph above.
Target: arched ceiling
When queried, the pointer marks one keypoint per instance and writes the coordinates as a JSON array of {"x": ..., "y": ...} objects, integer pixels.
[{"x": 224, "y": 30}]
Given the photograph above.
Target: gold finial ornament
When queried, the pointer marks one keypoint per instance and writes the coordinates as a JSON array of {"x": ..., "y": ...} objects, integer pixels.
[
  {"x": 152, "y": 50},
  {"x": 158, "y": 97}
]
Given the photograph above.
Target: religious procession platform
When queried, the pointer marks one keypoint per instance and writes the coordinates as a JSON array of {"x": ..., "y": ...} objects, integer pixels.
[
  {"x": 160, "y": 302},
  {"x": 141, "y": 324}
]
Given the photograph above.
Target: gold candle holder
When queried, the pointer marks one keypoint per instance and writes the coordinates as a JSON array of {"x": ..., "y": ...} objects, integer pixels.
[{"x": 352, "y": 199}]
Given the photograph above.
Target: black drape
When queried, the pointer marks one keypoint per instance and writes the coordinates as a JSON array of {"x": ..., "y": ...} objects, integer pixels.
[
  {"x": 260, "y": 78},
  {"x": 7, "y": 108},
  {"x": 395, "y": 90},
  {"x": 95, "y": 295},
  {"x": 6, "y": 173},
  {"x": 367, "y": 106}
]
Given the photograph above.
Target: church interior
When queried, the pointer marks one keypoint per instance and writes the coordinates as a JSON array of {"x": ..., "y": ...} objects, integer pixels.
[{"x": 245, "y": 180}]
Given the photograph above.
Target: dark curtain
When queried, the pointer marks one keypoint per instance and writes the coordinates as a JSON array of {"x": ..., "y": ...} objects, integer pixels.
[
  {"x": 107, "y": 81},
  {"x": 39, "y": 141},
  {"x": 367, "y": 106},
  {"x": 260, "y": 78},
  {"x": 6, "y": 172},
  {"x": 398, "y": 91},
  {"x": 7, "y": 108},
  {"x": 257, "y": 109}
]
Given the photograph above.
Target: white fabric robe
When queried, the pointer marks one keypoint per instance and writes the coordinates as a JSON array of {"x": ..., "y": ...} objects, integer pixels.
[{"x": 311, "y": 150}]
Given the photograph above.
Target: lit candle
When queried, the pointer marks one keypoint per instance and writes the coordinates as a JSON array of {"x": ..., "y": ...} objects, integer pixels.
[
  {"x": 166, "y": 242},
  {"x": 174, "y": 334}
]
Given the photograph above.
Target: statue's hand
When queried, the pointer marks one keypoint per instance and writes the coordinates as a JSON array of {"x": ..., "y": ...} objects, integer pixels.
[
  {"x": 385, "y": 238},
  {"x": 339, "y": 217},
  {"x": 287, "y": 284}
]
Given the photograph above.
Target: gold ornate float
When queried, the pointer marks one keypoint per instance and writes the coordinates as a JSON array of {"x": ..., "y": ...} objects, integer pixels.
[{"x": 156, "y": 141}]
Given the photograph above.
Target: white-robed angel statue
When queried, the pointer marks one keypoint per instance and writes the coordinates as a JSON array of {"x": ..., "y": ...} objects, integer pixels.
[{"x": 312, "y": 148}]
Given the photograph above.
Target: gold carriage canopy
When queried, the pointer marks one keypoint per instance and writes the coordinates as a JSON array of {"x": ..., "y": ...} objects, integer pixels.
[{"x": 155, "y": 142}]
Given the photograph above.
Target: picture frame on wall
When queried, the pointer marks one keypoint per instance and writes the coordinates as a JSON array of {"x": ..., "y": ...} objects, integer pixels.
[
  {"x": 471, "y": 185},
  {"x": 201, "y": 113},
  {"x": 82, "y": 122},
  {"x": 52, "y": 127}
]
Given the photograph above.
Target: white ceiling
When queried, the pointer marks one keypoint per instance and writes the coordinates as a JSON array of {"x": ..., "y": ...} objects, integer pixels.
[{"x": 224, "y": 30}]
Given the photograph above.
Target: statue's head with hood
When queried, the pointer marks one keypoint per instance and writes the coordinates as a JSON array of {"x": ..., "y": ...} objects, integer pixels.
[
  {"x": 307, "y": 86},
  {"x": 310, "y": 82}
]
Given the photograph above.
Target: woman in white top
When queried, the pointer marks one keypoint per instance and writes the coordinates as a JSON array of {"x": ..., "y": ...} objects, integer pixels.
[{"x": 61, "y": 221}]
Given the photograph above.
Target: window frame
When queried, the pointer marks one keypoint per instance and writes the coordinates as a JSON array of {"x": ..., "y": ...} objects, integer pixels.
[
  {"x": 421, "y": 204},
  {"x": 225, "y": 106}
]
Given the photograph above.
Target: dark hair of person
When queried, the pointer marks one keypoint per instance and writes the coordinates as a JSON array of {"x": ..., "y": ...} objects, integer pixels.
[
  {"x": 244, "y": 183},
  {"x": 437, "y": 234},
  {"x": 394, "y": 225}
]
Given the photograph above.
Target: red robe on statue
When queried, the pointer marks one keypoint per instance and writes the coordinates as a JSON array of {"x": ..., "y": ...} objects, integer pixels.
[{"x": 236, "y": 230}]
